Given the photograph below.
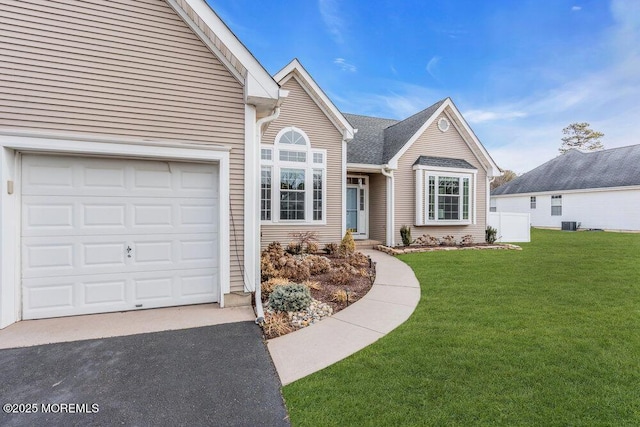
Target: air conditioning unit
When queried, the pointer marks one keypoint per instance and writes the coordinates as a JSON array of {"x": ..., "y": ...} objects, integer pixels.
[{"x": 569, "y": 225}]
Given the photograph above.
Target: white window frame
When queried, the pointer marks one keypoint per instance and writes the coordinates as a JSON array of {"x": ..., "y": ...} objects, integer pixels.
[
  {"x": 533, "y": 202},
  {"x": 309, "y": 166},
  {"x": 557, "y": 204},
  {"x": 493, "y": 205},
  {"x": 422, "y": 194}
]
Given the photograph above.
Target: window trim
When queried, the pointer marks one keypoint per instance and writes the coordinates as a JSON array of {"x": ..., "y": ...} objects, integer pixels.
[
  {"x": 556, "y": 197},
  {"x": 309, "y": 166},
  {"x": 422, "y": 174},
  {"x": 533, "y": 202}
]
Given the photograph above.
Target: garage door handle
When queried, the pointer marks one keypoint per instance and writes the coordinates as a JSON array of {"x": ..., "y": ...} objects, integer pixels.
[{"x": 128, "y": 251}]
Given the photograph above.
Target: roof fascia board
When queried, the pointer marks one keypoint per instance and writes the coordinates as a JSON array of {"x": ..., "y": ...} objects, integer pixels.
[
  {"x": 261, "y": 84},
  {"x": 363, "y": 167},
  {"x": 295, "y": 70},
  {"x": 573, "y": 191}
]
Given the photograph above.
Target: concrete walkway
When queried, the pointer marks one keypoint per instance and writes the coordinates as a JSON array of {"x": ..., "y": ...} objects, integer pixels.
[{"x": 391, "y": 300}]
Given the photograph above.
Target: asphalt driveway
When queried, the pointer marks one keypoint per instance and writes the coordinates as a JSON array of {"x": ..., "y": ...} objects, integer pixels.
[{"x": 216, "y": 375}]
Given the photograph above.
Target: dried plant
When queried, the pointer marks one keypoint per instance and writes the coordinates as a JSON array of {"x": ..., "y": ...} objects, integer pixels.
[
  {"x": 294, "y": 248},
  {"x": 276, "y": 324},
  {"x": 317, "y": 264},
  {"x": 304, "y": 238},
  {"x": 427, "y": 240},
  {"x": 275, "y": 262},
  {"x": 448, "y": 240},
  {"x": 331, "y": 248},
  {"x": 342, "y": 296},
  {"x": 340, "y": 277},
  {"x": 312, "y": 248},
  {"x": 467, "y": 240},
  {"x": 312, "y": 284}
]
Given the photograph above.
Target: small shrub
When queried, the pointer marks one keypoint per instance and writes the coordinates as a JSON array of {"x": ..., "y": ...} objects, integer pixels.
[
  {"x": 340, "y": 277},
  {"x": 331, "y": 248},
  {"x": 358, "y": 260},
  {"x": 317, "y": 264},
  {"x": 427, "y": 240},
  {"x": 347, "y": 245},
  {"x": 490, "y": 235},
  {"x": 275, "y": 262},
  {"x": 294, "y": 248},
  {"x": 405, "y": 234},
  {"x": 312, "y": 284},
  {"x": 268, "y": 286},
  {"x": 448, "y": 240},
  {"x": 467, "y": 240},
  {"x": 304, "y": 239},
  {"x": 341, "y": 296},
  {"x": 312, "y": 248},
  {"x": 276, "y": 324},
  {"x": 291, "y": 297}
]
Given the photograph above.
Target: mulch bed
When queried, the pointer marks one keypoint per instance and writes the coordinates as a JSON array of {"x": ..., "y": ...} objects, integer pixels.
[
  {"x": 398, "y": 250},
  {"x": 357, "y": 287}
]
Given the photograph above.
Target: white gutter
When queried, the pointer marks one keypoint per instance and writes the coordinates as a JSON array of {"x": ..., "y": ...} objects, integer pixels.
[
  {"x": 258, "y": 287},
  {"x": 388, "y": 172}
]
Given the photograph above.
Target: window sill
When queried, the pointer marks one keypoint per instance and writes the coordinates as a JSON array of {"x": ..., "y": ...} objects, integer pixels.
[
  {"x": 294, "y": 222},
  {"x": 443, "y": 223}
]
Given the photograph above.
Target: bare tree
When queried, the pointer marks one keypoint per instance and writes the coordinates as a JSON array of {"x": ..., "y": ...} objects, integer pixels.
[
  {"x": 579, "y": 135},
  {"x": 506, "y": 176}
]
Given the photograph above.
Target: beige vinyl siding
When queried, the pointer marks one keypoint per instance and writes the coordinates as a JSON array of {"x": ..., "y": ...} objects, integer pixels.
[
  {"x": 301, "y": 111},
  {"x": 440, "y": 144},
  {"x": 378, "y": 207},
  {"x": 121, "y": 68}
]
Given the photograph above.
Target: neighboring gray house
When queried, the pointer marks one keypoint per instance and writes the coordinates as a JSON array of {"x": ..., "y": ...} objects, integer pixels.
[{"x": 594, "y": 189}]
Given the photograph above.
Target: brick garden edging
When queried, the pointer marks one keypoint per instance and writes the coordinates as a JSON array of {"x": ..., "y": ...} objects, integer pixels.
[{"x": 410, "y": 250}]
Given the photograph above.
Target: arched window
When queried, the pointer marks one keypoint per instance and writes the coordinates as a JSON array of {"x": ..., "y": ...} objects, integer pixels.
[{"x": 299, "y": 174}]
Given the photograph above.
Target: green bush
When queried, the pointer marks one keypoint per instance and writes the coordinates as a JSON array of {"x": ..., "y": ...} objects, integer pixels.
[
  {"x": 491, "y": 235},
  {"x": 292, "y": 297},
  {"x": 405, "y": 233},
  {"x": 347, "y": 245}
]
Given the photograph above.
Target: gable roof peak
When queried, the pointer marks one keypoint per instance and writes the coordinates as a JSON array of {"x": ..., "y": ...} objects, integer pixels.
[{"x": 295, "y": 68}]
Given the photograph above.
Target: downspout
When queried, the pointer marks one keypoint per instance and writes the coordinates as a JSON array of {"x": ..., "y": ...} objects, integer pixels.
[
  {"x": 388, "y": 172},
  {"x": 258, "y": 288}
]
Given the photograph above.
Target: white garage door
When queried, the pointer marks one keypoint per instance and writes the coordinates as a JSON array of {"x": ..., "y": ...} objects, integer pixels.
[{"x": 102, "y": 235}]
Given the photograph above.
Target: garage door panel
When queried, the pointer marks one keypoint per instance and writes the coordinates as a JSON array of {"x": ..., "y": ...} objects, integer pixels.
[
  {"x": 81, "y": 255},
  {"x": 78, "y": 216},
  {"x": 102, "y": 235},
  {"x": 55, "y": 297},
  {"x": 78, "y": 176}
]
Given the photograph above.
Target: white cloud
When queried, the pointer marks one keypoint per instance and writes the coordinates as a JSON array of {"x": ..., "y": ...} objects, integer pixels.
[
  {"x": 332, "y": 19},
  {"x": 344, "y": 65},
  {"x": 576, "y": 8},
  {"x": 480, "y": 116},
  {"x": 431, "y": 66}
]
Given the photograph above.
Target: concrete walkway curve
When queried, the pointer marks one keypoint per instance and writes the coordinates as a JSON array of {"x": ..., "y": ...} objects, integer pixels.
[{"x": 392, "y": 299}]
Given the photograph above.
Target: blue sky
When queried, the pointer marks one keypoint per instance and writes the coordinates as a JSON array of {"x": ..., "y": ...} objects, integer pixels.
[{"x": 518, "y": 70}]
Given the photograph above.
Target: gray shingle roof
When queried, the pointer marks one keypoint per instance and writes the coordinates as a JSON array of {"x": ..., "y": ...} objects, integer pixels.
[
  {"x": 378, "y": 140},
  {"x": 368, "y": 144},
  {"x": 443, "y": 162},
  {"x": 575, "y": 170}
]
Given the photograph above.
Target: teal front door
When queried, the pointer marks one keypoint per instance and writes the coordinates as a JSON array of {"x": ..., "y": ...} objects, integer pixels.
[{"x": 356, "y": 210}]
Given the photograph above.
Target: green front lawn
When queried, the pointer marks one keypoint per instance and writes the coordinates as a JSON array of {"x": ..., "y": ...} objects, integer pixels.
[{"x": 545, "y": 336}]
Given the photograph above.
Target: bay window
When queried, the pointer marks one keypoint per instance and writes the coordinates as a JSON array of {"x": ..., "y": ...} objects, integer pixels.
[
  {"x": 300, "y": 179},
  {"x": 445, "y": 196}
]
